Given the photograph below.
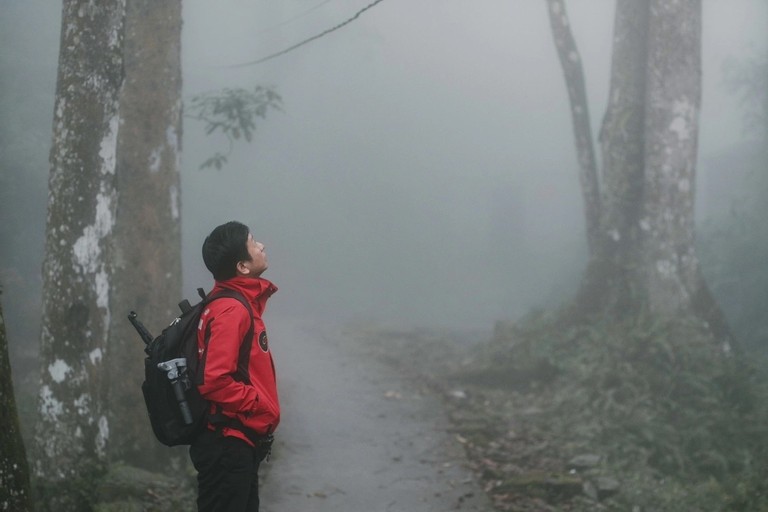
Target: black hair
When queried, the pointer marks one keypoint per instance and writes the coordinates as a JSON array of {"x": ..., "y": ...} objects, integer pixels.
[{"x": 224, "y": 248}]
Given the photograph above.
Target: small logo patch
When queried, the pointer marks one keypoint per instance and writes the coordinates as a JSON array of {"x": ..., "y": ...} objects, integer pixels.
[{"x": 263, "y": 341}]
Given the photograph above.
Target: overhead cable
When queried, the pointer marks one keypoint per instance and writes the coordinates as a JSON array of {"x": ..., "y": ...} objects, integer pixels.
[{"x": 318, "y": 36}]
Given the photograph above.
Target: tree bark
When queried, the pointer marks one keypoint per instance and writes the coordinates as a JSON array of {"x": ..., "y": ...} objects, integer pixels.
[
  {"x": 14, "y": 471},
  {"x": 72, "y": 433},
  {"x": 644, "y": 258},
  {"x": 673, "y": 101},
  {"x": 570, "y": 60},
  {"x": 147, "y": 241},
  {"x": 610, "y": 285}
]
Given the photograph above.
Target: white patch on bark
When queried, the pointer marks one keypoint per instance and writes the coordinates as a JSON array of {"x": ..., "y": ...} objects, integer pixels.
[
  {"x": 615, "y": 235},
  {"x": 60, "y": 109},
  {"x": 645, "y": 224},
  {"x": 108, "y": 150},
  {"x": 684, "y": 185},
  {"x": 172, "y": 139},
  {"x": 679, "y": 126},
  {"x": 82, "y": 405},
  {"x": 101, "y": 285},
  {"x": 174, "y": 201},
  {"x": 83, "y": 10},
  {"x": 86, "y": 249},
  {"x": 115, "y": 36},
  {"x": 50, "y": 407},
  {"x": 573, "y": 57},
  {"x": 102, "y": 436},
  {"x": 95, "y": 356},
  {"x": 59, "y": 370},
  {"x": 684, "y": 112}
]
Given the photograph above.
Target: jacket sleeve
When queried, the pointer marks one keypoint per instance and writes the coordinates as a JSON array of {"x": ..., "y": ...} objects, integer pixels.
[{"x": 225, "y": 327}]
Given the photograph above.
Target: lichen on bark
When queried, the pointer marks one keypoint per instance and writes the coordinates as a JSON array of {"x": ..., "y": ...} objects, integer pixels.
[{"x": 72, "y": 433}]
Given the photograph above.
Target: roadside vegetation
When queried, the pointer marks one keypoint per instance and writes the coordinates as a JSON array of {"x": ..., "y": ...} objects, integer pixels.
[{"x": 641, "y": 416}]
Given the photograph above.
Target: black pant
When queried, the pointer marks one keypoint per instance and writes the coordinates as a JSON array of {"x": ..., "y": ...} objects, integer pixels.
[{"x": 227, "y": 473}]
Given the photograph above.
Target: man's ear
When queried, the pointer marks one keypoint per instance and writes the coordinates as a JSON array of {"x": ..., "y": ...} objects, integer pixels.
[{"x": 242, "y": 268}]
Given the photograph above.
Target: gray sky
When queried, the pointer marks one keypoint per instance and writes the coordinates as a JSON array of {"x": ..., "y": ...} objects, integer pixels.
[{"x": 423, "y": 169}]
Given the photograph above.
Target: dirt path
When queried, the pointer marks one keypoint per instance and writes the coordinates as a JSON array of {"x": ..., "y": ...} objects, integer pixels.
[{"x": 355, "y": 437}]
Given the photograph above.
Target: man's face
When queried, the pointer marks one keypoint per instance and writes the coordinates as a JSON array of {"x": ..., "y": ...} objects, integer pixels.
[{"x": 258, "y": 263}]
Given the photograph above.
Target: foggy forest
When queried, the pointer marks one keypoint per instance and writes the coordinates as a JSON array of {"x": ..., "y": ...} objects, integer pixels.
[{"x": 520, "y": 247}]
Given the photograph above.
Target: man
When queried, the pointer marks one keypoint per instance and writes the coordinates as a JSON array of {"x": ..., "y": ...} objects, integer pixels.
[{"x": 236, "y": 375}]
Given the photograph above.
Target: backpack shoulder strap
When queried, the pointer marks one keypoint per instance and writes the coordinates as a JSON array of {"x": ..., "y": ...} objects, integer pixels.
[
  {"x": 247, "y": 342},
  {"x": 232, "y": 294},
  {"x": 217, "y": 418}
]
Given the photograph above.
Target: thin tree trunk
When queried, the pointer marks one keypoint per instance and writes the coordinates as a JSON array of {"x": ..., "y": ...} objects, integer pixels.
[
  {"x": 147, "y": 242},
  {"x": 570, "y": 60},
  {"x": 72, "y": 433},
  {"x": 14, "y": 471}
]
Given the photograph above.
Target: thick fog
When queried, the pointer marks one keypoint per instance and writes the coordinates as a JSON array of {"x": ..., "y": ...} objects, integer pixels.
[{"x": 422, "y": 172}]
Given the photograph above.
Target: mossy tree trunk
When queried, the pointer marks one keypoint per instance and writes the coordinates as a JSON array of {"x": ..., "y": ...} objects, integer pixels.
[
  {"x": 640, "y": 223},
  {"x": 14, "y": 471},
  {"x": 147, "y": 241},
  {"x": 73, "y": 431}
]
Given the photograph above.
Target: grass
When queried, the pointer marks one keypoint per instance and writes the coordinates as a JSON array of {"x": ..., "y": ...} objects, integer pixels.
[{"x": 666, "y": 419}]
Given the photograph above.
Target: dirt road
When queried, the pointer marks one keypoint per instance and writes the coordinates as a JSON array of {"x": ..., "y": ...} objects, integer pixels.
[{"x": 355, "y": 437}]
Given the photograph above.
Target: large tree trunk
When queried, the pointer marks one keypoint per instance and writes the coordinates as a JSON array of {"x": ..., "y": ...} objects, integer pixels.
[
  {"x": 147, "y": 241},
  {"x": 14, "y": 472},
  {"x": 670, "y": 266},
  {"x": 73, "y": 430},
  {"x": 644, "y": 259}
]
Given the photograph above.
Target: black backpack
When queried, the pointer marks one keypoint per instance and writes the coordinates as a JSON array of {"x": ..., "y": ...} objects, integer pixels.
[{"x": 176, "y": 410}]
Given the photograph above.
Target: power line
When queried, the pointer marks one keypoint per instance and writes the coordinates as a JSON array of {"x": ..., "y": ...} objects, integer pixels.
[
  {"x": 289, "y": 20},
  {"x": 318, "y": 36}
]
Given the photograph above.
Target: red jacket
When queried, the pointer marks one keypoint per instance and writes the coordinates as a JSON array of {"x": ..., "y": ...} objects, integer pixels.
[{"x": 223, "y": 325}]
